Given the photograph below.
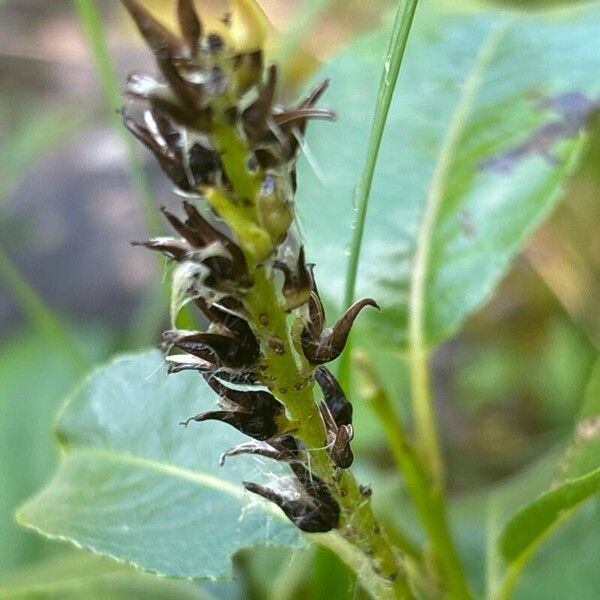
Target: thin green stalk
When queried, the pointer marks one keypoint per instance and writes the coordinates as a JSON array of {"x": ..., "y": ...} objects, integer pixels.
[
  {"x": 39, "y": 314},
  {"x": 423, "y": 409},
  {"x": 391, "y": 68},
  {"x": 428, "y": 500},
  {"x": 91, "y": 22},
  {"x": 419, "y": 352}
]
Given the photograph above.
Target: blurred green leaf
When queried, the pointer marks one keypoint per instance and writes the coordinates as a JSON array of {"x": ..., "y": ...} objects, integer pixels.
[
  {"x": 566, "y": 565},
  {"x": 522, "y": 534},
  {"x": 76, "y": 576},
  {"x": 530, "y": 525},
  {"x": 136, "y": 486},
  {"x": 583, "y": 453},
  {"x": 34, "y": 377},
  {"x": 481, "y": 138}
]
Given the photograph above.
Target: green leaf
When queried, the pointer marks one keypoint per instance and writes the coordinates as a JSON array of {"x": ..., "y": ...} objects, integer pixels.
[
  {"x": 523, "y": 534},
  {"x": 35, "y": 376},
  {"x": 478, "y": 148},
  {"x": 530, "y": 525},
  {"x": 583, "y": 453},
  {"x": 138, "y": 487},
  {"x": 75, "y": 576}
]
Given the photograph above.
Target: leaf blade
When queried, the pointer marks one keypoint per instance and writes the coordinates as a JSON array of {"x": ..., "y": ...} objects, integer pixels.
[
  {"x": 531, "y": 523},
  {"x": 144, "y": 490},
  {"x": 463, "y": 149}
]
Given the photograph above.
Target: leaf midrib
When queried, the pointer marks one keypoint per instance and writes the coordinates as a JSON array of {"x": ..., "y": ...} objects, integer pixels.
[
  {"x": 200, "y": 478},
  {"x": 436, "y": 190}
]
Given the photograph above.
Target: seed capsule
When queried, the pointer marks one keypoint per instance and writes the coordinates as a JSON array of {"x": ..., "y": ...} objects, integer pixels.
[
  {"x": 309, "y": 505},
  {"x": 334, "y": 396},
  {"x": 324, "y": 345},
  {"x": 221, "y": 350},
  {"x": 297, "y": 283},
  {"x": 282, "y": 449},
  {"x": 254, "y": 413}
]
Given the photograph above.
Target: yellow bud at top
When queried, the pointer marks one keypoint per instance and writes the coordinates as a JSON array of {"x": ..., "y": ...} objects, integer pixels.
[{"x": 249, "y": 26}]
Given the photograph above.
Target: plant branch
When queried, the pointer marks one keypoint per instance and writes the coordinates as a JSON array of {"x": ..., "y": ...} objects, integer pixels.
[{"x": 428, "y": 499}]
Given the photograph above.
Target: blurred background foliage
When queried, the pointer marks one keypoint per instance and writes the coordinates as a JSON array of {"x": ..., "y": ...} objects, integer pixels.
[{"x": 508, "y": 387}]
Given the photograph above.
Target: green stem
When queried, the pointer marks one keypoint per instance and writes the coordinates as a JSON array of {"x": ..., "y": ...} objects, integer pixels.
[
  {"x": 393, "y": 61},
  {"x": 428, "y": 499},
  {"x": 424, "y": 414},
  {"x": 39, "y": 314},
  {"x": 359, "y": 539},
  {"x": 290, "y": 379}
]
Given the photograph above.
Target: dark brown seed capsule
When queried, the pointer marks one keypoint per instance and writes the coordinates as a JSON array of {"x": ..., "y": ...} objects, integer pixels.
[
  {"x": 187, "y": 362},
  {"x": 256, "y": 116},
  {"x": 200, "y": 233},
  {"x": 340, "y": 451},
  {"x": 222, "y": 350},
  {"x": 319, "y": 349},
  {"x": 172, "y": 248},
  {"x": 211, "y": 234},
  {"x": 334, "y": 396},
  {"x": 168, "y": 162},
  {"x": 315, "y": 95},
  {"x": 248, "y": 423},
  {"x": 338, "y": 439},
  {"x": 317, "y": 489},
  {"x": 297, "y": 281},
  {"x": 316, "y": 317},
  {"x": 341, "y": 329},
  {"x": 310, "y": 513},
  {"x": 191, "y": 97},
  {"x": 253, "y": 400},
  {"x": 204, "y": 165},
  {"x": 298, "y": 117},
  {"x": 308, "y": 102}
]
